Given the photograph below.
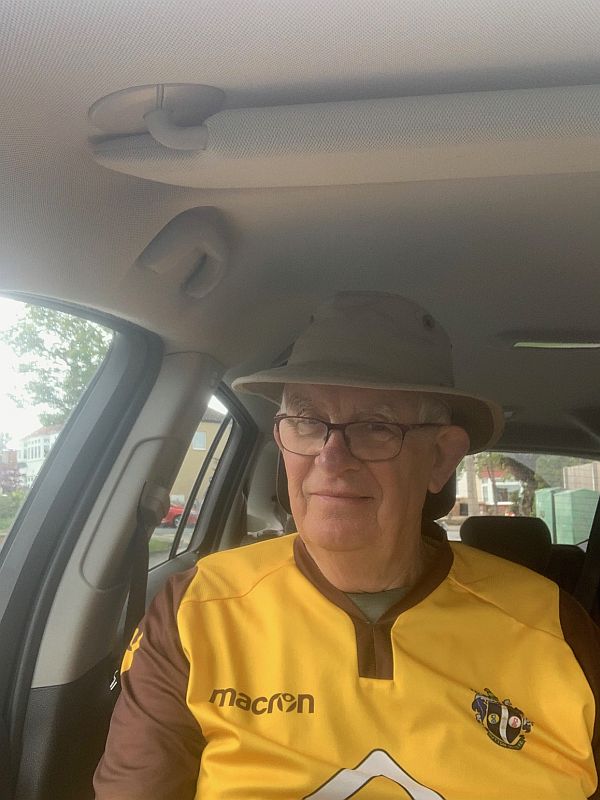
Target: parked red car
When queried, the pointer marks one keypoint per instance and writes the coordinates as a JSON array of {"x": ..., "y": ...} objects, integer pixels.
[{"x": 173, "y": 516}]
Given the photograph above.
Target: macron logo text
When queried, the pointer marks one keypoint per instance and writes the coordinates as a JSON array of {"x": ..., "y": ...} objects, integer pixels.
[{"x": 281, "y": 701}]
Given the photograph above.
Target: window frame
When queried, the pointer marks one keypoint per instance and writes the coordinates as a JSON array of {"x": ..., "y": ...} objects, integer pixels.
[
  {"x": 229, "y": 473},
  {"x": 50, "y": 521},
  {"x": 228, "y": 478},
  {"x": 193, "y": 493}
]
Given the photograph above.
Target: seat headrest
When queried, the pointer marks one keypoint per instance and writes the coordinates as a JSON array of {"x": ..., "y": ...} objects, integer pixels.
[
  {"x": 524, "y": 540},
  {"x": 435, "y": 506}
]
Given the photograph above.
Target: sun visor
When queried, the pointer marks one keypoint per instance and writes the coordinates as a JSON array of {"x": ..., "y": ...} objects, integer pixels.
[{"x": 471, "y": 135}]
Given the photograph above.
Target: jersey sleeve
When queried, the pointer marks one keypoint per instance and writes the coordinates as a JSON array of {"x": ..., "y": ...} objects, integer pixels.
[
  {"x": 154, "y": 743},
  {"x": 583, "y": 636}
]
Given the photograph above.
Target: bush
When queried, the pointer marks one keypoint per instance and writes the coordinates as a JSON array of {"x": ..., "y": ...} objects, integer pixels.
[{"x": 9, "y": 507}]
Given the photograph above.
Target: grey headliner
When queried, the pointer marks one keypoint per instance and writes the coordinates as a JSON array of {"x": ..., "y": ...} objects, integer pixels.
[{"x": 485, "y": 256}]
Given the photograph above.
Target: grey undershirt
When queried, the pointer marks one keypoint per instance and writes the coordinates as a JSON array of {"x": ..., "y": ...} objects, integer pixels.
[{"x": 374, "y": 604}]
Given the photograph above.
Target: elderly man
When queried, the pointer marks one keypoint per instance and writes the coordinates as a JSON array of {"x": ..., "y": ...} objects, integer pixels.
[{"x": 360, "y": 657}]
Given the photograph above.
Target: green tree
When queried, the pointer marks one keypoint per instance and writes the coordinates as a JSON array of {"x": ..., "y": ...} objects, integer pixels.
[
  {"x": 519, "y": 466},
  {"x": 532, "y": 470},
  {"x": 550, "y": 468},
  {"x": 60, "y": 353},
  {"x": 10, "y": 478},
  {"x": 522, "y": 468},
  {"x": 9, "y": 507},
  {"x": 488, "y": 464}
]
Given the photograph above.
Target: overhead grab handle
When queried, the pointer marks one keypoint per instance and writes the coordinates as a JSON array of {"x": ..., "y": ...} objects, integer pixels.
[
  {"x": 193, "y": 247},
  {"x": 166, "y": 132}
]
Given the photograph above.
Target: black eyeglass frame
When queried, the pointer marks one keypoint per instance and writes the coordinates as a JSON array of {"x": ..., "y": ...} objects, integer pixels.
[{"x": 403, "y": 427}]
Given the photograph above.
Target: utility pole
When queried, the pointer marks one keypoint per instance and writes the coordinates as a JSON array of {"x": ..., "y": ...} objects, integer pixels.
[{"x": 472, "y": 499}]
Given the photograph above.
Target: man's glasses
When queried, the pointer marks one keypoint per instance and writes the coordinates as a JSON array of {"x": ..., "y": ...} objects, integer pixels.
[{"x": 367, "y": 441}]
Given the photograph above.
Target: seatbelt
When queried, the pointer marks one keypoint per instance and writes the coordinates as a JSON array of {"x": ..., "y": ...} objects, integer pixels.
[
  {"x": 152, "y": 506},
  {"x": 588, "y": 584}
]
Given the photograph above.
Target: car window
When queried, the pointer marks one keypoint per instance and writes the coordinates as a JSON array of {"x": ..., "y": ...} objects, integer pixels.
[
  {"x": 191, "y": 485},
  {"x": 561, "y": 490},
  {"x": 47, "y": 359}
]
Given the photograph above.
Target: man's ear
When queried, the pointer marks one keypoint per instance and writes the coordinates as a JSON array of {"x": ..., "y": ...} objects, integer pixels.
[{"x": 451, "y": 446}]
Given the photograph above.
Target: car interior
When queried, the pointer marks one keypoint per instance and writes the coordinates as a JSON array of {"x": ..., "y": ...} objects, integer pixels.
[{"x": 197, "y": 177}]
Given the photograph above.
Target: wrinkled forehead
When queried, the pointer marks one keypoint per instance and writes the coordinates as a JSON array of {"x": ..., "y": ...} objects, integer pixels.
[{"x": 348, "y": 402}]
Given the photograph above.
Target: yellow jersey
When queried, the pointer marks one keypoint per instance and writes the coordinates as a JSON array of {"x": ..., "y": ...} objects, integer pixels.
[{"x": 252, "y": 677}]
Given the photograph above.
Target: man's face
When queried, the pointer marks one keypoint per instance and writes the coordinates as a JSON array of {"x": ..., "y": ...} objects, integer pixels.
[{"x": 340, "y": 503}]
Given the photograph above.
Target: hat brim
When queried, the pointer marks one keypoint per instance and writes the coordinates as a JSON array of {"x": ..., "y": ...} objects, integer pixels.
[{"x": 482, "y": 419}]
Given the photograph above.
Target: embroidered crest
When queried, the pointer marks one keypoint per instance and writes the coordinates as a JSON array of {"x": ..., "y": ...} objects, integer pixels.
[{"x": 505, "y": 724}]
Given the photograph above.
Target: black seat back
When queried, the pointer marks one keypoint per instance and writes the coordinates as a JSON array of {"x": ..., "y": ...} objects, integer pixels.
[
  {"x": 566, "y": 563},
  {"x": 524, "y": 540}
]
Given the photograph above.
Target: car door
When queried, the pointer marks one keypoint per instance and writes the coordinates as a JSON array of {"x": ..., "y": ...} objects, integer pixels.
[{"x": 65, "y": 565}]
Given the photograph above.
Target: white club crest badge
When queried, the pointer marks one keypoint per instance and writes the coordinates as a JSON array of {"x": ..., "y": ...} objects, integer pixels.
[{"x": 505, "y": 724}]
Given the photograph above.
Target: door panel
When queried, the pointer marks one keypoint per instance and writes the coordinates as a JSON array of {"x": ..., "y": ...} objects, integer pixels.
[
  {"x": 68, "y": 702},
  {"x": 50, "y": 522}
]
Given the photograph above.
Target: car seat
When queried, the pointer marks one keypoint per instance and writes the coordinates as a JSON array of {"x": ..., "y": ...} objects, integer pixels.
[{"x": 526, "y": 541}]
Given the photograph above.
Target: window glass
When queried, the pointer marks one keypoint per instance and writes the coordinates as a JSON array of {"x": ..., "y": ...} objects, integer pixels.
[
  {"x": 192, "y": 483},
  {"x": 561, "y": 490},
  {"x": 199, "y": 440},
  {"x": 47, "y": 359}
]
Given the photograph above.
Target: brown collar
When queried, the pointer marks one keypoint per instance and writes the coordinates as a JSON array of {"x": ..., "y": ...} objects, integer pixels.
[
  {"x": 436, "y": 572},
  {"x": 374, "y": 651}
]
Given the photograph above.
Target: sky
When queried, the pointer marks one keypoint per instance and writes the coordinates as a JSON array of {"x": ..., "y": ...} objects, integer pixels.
[{"x": 19, "y": 422}]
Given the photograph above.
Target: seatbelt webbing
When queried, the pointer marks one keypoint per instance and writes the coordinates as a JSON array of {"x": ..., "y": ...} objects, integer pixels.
[{"x": 152, "y": 507}]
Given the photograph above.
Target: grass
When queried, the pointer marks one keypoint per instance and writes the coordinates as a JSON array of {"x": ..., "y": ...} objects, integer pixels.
[{"x": 160, "y": 544}]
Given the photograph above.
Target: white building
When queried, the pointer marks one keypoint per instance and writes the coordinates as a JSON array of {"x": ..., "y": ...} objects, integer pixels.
[
  {"x": 496, "y": 496},
  {"x": 33, "y": 450}
]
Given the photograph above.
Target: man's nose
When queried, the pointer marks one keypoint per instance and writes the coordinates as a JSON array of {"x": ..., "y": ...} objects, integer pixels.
[{"x": 336, "y": 454}]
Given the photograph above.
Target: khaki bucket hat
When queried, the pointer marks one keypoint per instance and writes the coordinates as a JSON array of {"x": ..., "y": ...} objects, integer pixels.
[{"x": 378, "y": 340}]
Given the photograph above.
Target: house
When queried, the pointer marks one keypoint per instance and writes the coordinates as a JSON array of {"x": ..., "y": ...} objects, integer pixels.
[{"x": 33, "y": 451}]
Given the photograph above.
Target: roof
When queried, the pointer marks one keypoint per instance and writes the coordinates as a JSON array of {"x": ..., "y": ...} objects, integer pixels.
[
  {"x": 485, "y": 255},
  {"x": 47, "y": 430}
]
